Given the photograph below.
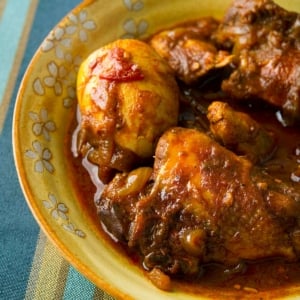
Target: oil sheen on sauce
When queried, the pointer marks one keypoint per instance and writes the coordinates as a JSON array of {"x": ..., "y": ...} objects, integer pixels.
[{"x": 260, "y": 280}]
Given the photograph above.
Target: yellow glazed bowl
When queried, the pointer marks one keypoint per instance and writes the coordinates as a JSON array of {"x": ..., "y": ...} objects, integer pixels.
[{"x": 44, "y": 110}]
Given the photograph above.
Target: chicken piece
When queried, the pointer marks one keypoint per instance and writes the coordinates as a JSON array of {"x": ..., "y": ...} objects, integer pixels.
[
  {"x": 201, "y": 204},
  {"x": 128, "y": 97},
  {"x": 116, "y": 205},
  {"x": 189, "y": 51},
  {"x": 240, "y": 133},
  {"x": 266, "y": 43}
]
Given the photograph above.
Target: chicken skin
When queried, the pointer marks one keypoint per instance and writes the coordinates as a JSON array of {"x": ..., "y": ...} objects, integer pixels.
[
  {"x": 201, "y": 204},
  {"x": 127, "y": 97},
  {"x": 238, "y": 132},
  {"x": 265, "y": 40}
]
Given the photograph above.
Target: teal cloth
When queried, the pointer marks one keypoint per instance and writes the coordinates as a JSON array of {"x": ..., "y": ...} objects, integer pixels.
[{"x": 23, "y": 26}]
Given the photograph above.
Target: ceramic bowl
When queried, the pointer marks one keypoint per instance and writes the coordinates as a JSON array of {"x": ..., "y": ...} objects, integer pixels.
[{"x": 44, "y": 110}]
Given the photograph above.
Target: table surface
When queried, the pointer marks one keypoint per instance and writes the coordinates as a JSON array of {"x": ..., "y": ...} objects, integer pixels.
[{"x": 30, "y": 266}]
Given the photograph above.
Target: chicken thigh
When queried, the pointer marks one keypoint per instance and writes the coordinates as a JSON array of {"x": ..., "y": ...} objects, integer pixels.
[{"x": 201, "y": 204}]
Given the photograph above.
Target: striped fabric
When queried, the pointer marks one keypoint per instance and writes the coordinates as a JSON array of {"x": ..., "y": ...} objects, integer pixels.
[
  {"x": 30, "y": 266},
  {"x": 60, "y": 281}
]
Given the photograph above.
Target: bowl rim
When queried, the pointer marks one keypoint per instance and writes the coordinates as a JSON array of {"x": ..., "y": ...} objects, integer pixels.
[{"x": 30, "y": 198}]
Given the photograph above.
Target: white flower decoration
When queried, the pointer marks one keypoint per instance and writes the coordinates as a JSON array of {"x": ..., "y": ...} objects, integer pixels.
[
  {"x": 42, "y": 157},
  {"x": 81, "y": 24},
  {"x": 133, "y": 29},
  {"x": 134, "y": 5},
  {"x": 59, "y": 211},
  {"x": 71, "y": 78},
  {"x": 57, "y": 41},
  {"x": 69, "y": 100},
  {"x": 72, "y": 228},
  {"x": 60, "y": 79},
  {"x": 56, "y": 78},
  {"x": 74, "y": 61},
  {"x": 38, "y": 87},
  {"x": 42, "y": 125}
]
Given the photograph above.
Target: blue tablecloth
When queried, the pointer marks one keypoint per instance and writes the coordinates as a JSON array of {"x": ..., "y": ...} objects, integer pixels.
[{"x": 30, "y": 266}]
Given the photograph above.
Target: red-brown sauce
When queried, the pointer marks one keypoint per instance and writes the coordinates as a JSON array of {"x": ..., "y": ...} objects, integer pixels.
[{"x": 260, "y": 280}]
